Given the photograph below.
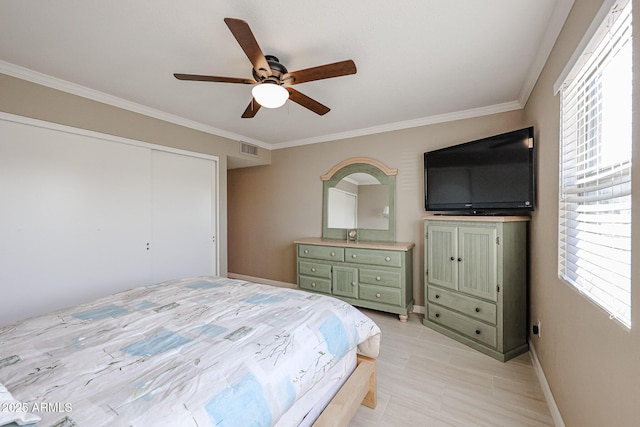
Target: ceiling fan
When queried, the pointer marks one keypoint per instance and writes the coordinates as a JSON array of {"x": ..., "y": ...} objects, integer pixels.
[{"x": 269, "y": 75}]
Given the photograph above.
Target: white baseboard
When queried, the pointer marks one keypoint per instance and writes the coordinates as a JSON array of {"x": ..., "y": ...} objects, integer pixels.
[
  {"x": 553, "y": 407},
  {"x": 263, "y": 281},
  {"x": 419, "y": 309}
]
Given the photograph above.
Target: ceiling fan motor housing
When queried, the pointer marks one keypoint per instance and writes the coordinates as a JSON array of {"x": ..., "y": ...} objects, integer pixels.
[{"x": 277, "y": 71}]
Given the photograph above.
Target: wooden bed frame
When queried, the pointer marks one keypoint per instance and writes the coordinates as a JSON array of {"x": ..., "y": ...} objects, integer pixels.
[{"x": 360, "y": 388}]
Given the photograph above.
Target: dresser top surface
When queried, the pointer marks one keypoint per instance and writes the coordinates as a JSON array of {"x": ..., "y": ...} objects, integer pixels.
[
  {"x": 390, "y": 246},
  {"x": 476, "y": 218}
]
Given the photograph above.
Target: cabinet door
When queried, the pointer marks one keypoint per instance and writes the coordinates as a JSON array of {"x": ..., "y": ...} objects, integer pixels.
[
  {"x": 345, "y": 281},
  {"x": 442, "y": 253},
  {"x": 477, "y": 262}
]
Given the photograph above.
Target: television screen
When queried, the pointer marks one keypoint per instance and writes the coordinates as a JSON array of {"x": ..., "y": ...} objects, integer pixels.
[{"x": 490, "y": 175}]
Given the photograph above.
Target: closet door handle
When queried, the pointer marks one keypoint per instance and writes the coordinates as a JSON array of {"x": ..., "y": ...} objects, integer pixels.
[{"x": 453, "y": 259}]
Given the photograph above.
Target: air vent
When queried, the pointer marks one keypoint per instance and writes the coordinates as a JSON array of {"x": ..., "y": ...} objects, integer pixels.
[{"x": 248, "y": 149}]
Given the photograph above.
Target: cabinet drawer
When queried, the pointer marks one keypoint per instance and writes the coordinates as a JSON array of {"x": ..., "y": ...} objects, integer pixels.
[
  {"x": 315, "y": 284},
  {"x": 373, "y": 257},
  {"x": 472, "y": 328},
  {"x": 379, "y": 294},
  {"x": 472, "y": 307},
  {"x": 314, "y": 269},
  {"x": 330, "y": 253},
  {"x": 391, "y": 279}
]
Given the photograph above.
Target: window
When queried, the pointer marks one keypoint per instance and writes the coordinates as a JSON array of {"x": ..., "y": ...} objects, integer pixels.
[{"x": 595, "y": 166}]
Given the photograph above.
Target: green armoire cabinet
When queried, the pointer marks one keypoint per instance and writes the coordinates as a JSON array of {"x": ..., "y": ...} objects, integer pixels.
[{"x": 476, "y": 281}]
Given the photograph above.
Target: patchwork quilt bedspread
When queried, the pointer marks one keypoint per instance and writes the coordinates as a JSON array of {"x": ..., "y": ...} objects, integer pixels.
[{"x": 198, "y": 352}]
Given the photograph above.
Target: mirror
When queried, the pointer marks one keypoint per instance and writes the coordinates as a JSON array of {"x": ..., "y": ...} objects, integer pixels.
[{"x": 359, "y": 194}]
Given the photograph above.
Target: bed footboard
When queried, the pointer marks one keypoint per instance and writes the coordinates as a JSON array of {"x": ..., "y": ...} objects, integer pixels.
[{"x": 360, "y": 388}]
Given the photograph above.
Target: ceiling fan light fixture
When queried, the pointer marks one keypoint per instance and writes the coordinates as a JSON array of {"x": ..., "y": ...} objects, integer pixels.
[{"x": 270, "y": 95}]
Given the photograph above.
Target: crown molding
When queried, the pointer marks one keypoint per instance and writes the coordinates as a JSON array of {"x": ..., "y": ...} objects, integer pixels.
[
  {"x": 551, "y": 33},
  {"x": 85, "y": 92},
  {"x": 95, "y": 95},
  {"x": 424, "y": 121}
]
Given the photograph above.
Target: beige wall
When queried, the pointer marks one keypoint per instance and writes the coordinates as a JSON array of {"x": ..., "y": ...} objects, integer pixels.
[
  {"x": 271, "y": 206},
  {"x": 27, "y": 99},
  {"x": 591, "y": 363}
]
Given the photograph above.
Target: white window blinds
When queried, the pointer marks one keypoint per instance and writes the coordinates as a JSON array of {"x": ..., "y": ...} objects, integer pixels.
[{"x": 595, "y": 168}]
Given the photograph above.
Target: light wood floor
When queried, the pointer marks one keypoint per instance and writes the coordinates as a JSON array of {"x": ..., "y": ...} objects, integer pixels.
[{"x": 427, "y": 379}]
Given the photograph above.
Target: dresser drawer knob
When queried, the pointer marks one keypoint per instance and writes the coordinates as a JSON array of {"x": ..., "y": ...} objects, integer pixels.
[
  {"x": 477, "y": 309},
  {"x": 353, "y": 283},
  {"x": 437, "y": 314},
  {"x": 378, "y": 278},
  {"x": 378, "y": 295},
  {"x": 477, "y": 331},
  {"x": 387, "y": 259},
  {"x": 354, "y": 256},
  {"x": 437, "y": 296},
  {"x": 313, "y": 269},
  {"x": 333, "y": 254},
  {"x": 306, "y": 251},
  {"x": 313, "y": 284}
]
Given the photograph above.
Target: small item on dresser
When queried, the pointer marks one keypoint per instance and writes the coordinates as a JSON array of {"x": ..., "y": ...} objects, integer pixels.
[{"x": 352, "y": 235}]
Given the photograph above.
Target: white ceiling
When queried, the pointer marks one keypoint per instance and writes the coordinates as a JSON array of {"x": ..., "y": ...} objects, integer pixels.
[{"x": 418, "y": 61}]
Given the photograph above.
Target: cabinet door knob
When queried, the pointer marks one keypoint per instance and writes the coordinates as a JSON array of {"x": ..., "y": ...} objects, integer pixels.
[
  {"x": 378, "y": 295},
  {"x": 459, "y": 259},
  {"x": 313, "y": 269},
  {"x": 333, "y": 254},
  {"x": 354, "y": 256},
  {"x": 477, "y": 309},
  {"x": 453, "y": 259},
  {"x": 306, "y": 251},
  {"x": 387, "y": 259},
  {"x": 353, "y": 283}
]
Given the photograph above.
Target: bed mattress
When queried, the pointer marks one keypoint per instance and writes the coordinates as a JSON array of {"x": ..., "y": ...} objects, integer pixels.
[{"x": 198, "y": 352}]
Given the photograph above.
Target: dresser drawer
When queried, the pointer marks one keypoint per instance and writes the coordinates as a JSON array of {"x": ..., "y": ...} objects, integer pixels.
[
  {"x": 391, "y": 279},
  {"x": 373, "y": 257},
  {"x": 316, "y": 284},
  {"x": 379, "y": 294},
  {"x": 309, "y": 268},
  {"x": 330, "y": 253},
  {"x": 472, "y": 307},
  {"x": 472, "y": 328}
]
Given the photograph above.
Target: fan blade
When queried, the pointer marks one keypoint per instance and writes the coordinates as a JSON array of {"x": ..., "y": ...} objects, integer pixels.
[
  {"x": 251, "y": 109},
  {"x": 337, "y": 69},
  {"x": 306, "y": 102},
  {"x": 213, "y": 79},
  {"x": 241, "y": 31}
]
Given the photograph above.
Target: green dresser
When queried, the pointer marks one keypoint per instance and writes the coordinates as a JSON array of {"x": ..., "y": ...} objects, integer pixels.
[
  {"x": 371, "y": 275},
  {"x": 476, "y": 282}
]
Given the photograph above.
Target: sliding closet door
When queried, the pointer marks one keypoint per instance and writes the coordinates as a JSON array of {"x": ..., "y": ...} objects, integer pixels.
[
  {"x": 183, "y": 216},
  {"x": 74, "y": 218}
]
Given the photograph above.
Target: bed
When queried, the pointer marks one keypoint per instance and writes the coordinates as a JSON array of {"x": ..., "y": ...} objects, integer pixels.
[{"x": 205, "y": 351}]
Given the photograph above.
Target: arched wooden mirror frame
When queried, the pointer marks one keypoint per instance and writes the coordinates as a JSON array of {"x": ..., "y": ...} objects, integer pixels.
[{"x": 378, "y": 170}]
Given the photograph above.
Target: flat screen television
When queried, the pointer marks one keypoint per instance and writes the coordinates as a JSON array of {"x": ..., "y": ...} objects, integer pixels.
[{"x": 493, "y": 175}]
